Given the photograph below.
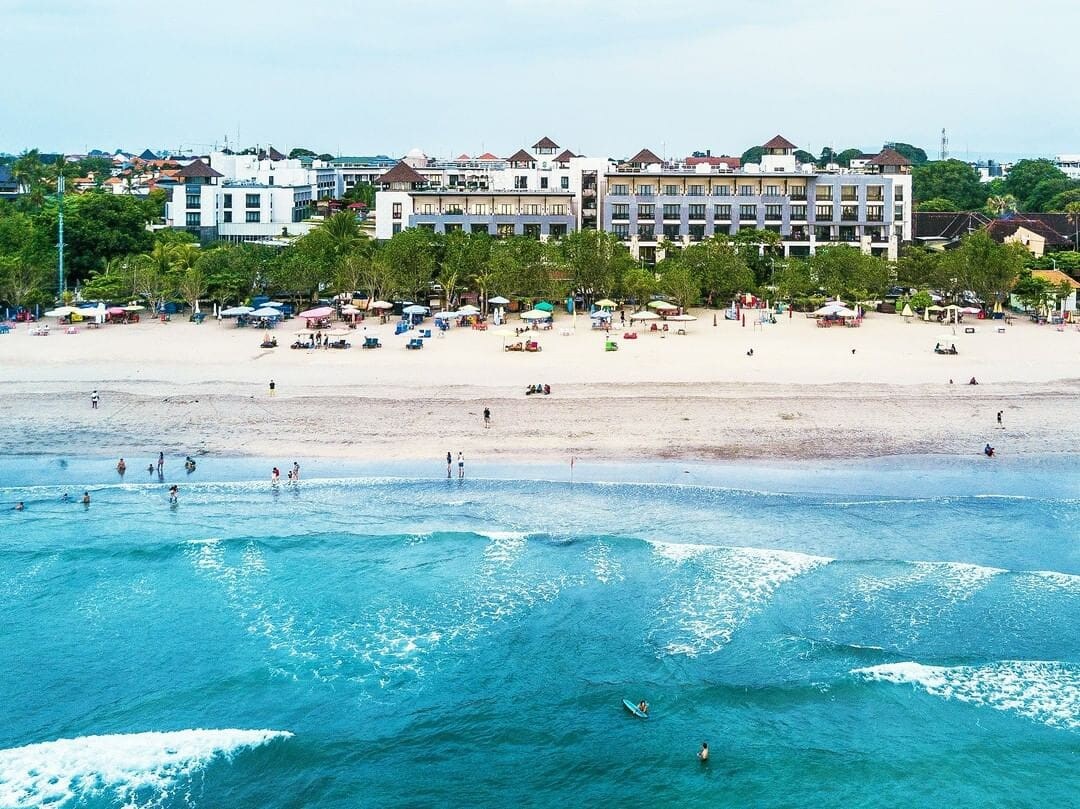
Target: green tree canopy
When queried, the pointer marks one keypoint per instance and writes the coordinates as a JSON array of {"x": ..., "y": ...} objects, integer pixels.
[
  {"x": 752, "y": 155},
  {"x": 938, "y": 204},
  {"x": 913, "y": 153},
  {"x": 953, "y": 180},
  {"x": 1026, "y": 175}
]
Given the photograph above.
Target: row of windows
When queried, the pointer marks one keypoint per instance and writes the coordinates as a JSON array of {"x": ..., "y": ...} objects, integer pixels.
[
  {"x": 480, "y": 209},
  {"x": 874, "y": 213},
  {"x": 874, "y": 193},
  {"x": 798, "y": 233},
  {"x": 521, "y": 182}
]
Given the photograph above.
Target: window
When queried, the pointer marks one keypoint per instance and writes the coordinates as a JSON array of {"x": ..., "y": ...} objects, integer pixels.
[
  {"x": 898, "y": 212},
  {"x": 622, "y": 231},
  {"x": 429, "y": 209},
  {"x": 620, "y": 211},
  {"x": 697, "y": 211},
  {"x": 823, "y": 192},
  {"x": 671, "y": 232},
  {"x": 564, "y": 183},
  {"x": 226, "y": 201},
  {"x": 253, "y": 216},
  {"x": 644, "y": 190},
  {"x": 193, "y": 200},
  {"x": 823, "y": 233},
  {"x": 397, "y": 228},
  {"x": 557, "y": 231},
  {"x": 723, "y": 212},
  {"x": 646, "y": 211},
  {"x": 748, "y": 212},
  {"x": 746, "y": 190},
  {"x": 620, "y": 189},
  {"x": 823, "y": 211},
  {"x": 697, "y": 190},
  {"x": 397, "y": 210},
  {"x": 505, "y": 231},
  {"x": 722, "y": 190},
  {"x": 798, "y": 212},
  {"x": 478, "y": 228},
  {"x": 532, "y": 210},
  {"x": 697, "y": 233},
  {"x": 849, "y": 213},
  {"x": 875, "y": 193},
  {"x": 479, "y": 209},
  {"x": 797, "y": 192},
  {"x": 227, "y": 217},
  {"x": 271, "y": 178},
  {"x": 646, "y": 232},
  {"x": 193, "y": 220},
  {"x": 773, "y": 211},
  {"x": 875, "y": 213},
  {"x": 558, "y": 210},
  {"x": 521, "y": 182},
  {"x": 252, "y": 201},
  {"x": 672, "y": 211},
  {"x": 543, "y": 182},
  {"x": 772, "y": 190},
  {"x": 849, "y": 193},
  {"x": 505, "y": 209},
  {"x": 531, "y": 229},
  {"x": 671, "y": 190},
  {"x": 847, "y": 233},
  {"x": 898, "y": 192}
]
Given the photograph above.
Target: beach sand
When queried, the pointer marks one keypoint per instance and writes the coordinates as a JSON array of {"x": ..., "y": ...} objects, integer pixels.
[{"x": 186, "y": 388}]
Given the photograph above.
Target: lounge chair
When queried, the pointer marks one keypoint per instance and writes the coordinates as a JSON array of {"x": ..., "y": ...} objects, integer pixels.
[
  {"x": 611, "y": 345},
  {"x": 414, "y": 343},
  {"x": 533, "y": 346},
  {"x": 371, "y": 342}
]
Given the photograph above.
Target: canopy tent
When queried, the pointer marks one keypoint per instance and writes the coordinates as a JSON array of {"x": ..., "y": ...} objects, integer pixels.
[
  {"x": 234, "y": 311},
  {"x": 662, "y": 306},
  {"x": 265, "y": 311},
  {"x": 971, "y": 310},
  {"x": 468, "y": 309},
  {"x": 349, "y": 309},
  {"x": 929, "y": 309},
  {"x": 317, "y": 312},
  {"x": 63, "y": 311},
  {"x": 381, "y": 305},
  {"x": 536, "y": 314},
  {"x": 600, "y": 314},
  {"x": 644, "y": 315},
  {"x": 682, "y": 318},
  {"x": 498, "y": 300},
  {"x": 834, "y": 310},
  {"x": 446, "y": 315},
  {"x": 544, "y": 306}
]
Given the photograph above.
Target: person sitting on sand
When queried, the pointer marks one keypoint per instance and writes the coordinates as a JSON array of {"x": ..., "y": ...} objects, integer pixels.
[
  {"x": 988, "y": 451},
  {"x": 643, "y": 706},
  {"x": 750, "y": 353},
  {"x": 703, "y": 753}
]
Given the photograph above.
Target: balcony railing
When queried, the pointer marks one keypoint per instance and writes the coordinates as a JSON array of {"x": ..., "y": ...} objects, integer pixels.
[
  {"x": 620, "y": 214},
  {"x": 646, "y": 234},
  {"x": 875, "y": 197},
  {"x": 849, "y": 197},
  {"x": 644, "y": 194},
  {"x": 797, "y": 195},
  {"x": 698, "y": 216}
]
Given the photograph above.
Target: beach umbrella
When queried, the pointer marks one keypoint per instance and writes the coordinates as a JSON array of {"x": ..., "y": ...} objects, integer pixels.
[
  {"x": 605, "y": 303},
  {"x": 446, "y": 315},
  {"x": 415, "y": 309},
  {"x": 381, "y": 305},
  {"x": 644, "y": 315},
  {"x": 682, "y": 318},
  {"x": 116, "y": 310},
  {"x": 536, "y": 314},
  {"x": 62, "y": 311},
  {"x": 317, "y": 312},
  {"x": 544, "y": 306},
  {"x": 600, "y": 314},
  {"x": 834, "y": 310},
  {"x": 907, "y": 311},
  {"x": 266, "y": 311},
  {"x": 349, "y": 309},
  {"x": 231, "y": 312},
  {"x": 662, "y": 305},
  {"x": 498, "y": 300},
  {"x": 133, "y": 307},
  {"x": 971, "y": 310},
  {"x": 274, "y": 303},
  {"x": 468, "y": 309}
]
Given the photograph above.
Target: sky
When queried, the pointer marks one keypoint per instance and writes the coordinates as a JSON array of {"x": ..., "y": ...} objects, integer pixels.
[{"x": 601, "y": 77}]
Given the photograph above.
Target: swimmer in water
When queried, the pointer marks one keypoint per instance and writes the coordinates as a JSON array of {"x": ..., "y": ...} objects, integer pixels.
[
  {"x": 703, "y": 753},
  {"x": 174, "y": 494},
  {"x": 643, "y": 706},
  {"x": 86, "y": 498}
]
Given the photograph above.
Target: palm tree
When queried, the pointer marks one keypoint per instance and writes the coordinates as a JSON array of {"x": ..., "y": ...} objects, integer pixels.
[
  {"x": 344, "y": 232},
  {"x": 999, "y": 204}
]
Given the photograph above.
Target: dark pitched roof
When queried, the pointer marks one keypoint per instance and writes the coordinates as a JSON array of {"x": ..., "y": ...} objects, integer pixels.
[
  {"x": 645, "y": 156},
  {"x": 545, "y": 143},
  {"x": 889, "y": 157},
  {"x": 732, "y": 162},
  {"x": 148, "y": 155},
  {"x": 999, "y": 229},
  {"x": 521, "y": 156},
  {"x": 565, "y": 156},
  {"x": 402, "y": 173},
  {"x": 779, "y": 142},
  {"x": 274, "y": 154},
  {"x": 947, "y": 225},
  {"x": 198, "y": 168}
]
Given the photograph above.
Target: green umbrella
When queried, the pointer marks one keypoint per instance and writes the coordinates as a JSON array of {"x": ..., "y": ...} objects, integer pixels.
[{"x": 544, "y": 306}]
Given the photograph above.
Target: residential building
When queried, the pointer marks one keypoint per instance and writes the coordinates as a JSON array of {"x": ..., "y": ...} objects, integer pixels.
[
  {"x": 944, "y": 230},
  {"x": 1040, "y": 233},
  {"x": 649, "y": 201},
  {"x": 9, "y": 186},
  {"x": 1070, "y": 164}
]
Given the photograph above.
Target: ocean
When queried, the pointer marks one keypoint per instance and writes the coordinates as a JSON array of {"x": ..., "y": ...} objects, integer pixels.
[{"x": 900, "y": 632}]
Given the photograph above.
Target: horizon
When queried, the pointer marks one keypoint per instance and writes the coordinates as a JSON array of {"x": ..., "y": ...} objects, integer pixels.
[{"x": 603, "y": 79}]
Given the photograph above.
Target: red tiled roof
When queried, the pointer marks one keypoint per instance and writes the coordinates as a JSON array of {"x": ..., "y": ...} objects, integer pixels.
[
  {"x": 545, "y": 143},
  {"x": 521, "y": 156},
  {"x": 402, "y": 173},
  {"x": 487, "y": 156},
  {"x": 461, "y": 157},
  {"x": 198, "y": 168},
  {"x": 779, "y": 142},
  {"x": 888, "y": 157},
  {"x": 731, "y": 162},
  {"x": 565, "y": 156},
  {"x": 645, "y": 156}
]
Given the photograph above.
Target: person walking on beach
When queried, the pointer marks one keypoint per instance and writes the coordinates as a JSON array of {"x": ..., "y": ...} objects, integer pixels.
[
  {"x": 449, "y": 464},
  {"x": 93, "y": 400},
  {"x": 460, "y": 465},
  {"x": 273, "y": 387},
  {"x": 1000, "y": 423},
  {"x": 487, "y": 417}
]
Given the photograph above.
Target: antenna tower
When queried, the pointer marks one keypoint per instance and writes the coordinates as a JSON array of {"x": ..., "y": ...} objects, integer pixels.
[{"x": 944, "y": 145}]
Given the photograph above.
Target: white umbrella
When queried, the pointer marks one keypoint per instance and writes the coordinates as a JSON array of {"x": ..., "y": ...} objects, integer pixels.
[
  {"x": 446, "y": 315},
  {"x": 600, "y": 314},
  {"x": 63, "y": 311},
  {"x": 236, "y": 310},
  {"x": 834, "y": 310},
  {"x": 468, "y": 309},
  {"x": 644, "y": 315},
  {"x": 662, "y": 305},
  {"x": 317, "y": 312},
  {"x": 498, "y": 300},
  {"x": 907, "y": 311},
  {"x": 682, "y": 318},
  {"x": 415, "y": 309},
  {"x": 349, "y": 309},
  {"x": 536, "y": 314},
  {"x": 381, "y": 305},
  {"x": 133, "y": 307},
  {"x": 266, "y": 311}
]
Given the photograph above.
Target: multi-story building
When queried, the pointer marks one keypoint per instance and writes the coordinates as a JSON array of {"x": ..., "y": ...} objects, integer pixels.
[
  {"x": 545, "y": 191},
  {"x": 1070, "y": 164},
  {"x": 248, "y": 198},
  {"x": 650, "y": 201}
]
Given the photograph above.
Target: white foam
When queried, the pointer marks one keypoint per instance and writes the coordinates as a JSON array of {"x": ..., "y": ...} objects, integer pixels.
[
  {"x": 127, "y": 767},
  {"x": 709, "y": 604},
  {"x": 1047, "y": 692},
  {"x": 606, "y": 568}
]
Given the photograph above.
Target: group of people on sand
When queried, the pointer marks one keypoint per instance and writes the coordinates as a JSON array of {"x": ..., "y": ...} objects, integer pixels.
[
  {"x": 293, "y": 474},
  {"x": 544, "y": 390}
]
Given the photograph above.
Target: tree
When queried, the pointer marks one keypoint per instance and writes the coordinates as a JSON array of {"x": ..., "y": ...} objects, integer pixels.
[
  {"x": 679, "y": 284},
  {"x": 232, "y": 271},
  {"x": 847, "y": 272},
  {"x": 759, "y": 249},
  {"x": 343, "y": 233},
  {"x": 1034, "y": 292},
  {"x": 299, "y": 152},
  {"x": 410, "y": 256},
  {"x": 828, "y": 155},
  {"x": 361, "y": 192},
  {"x": 953, "y": 180},
  {"x": 920, "y": 300},
  {"x": 938, "y": 204},
  {"x": 845, "y": 157},
  {"x": 1045, "y": 191},
  {"x": 718, "y": 267},
  {"x": 913, "y": 153},
  {"x": 999, "y": 204},
  {"x": 593, "y": 262},
  {"x": 1025, "y": 175},
  {"x": 192, "y": 286},
  {"x": 29, "y": 172},
  {"x": 638, "y": 285},
  {"x": 982, "y": 266},
  {"x": 752, "y": 155},
  {"x": 1062, "y": 201},
  {"x": 804, "y": 156},
  {"x": 918, "y": 267},
  {"x": 23, "y": 283}
]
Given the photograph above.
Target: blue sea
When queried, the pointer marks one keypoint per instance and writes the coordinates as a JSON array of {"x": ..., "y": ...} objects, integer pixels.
[{"x": 901, "y": 632}]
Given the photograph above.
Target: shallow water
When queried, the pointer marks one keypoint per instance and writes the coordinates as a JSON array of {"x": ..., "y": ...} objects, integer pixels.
[{"x": 864, "y": 634}]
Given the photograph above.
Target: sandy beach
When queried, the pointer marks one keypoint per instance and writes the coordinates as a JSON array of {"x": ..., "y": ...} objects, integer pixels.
[{"x": 186, "y": 388}]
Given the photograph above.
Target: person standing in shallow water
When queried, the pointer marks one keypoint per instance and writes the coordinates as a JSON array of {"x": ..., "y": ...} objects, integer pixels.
[
  {"x": 449, "y": 464},
  {"x": 160, "y": 462},
  {"x": 703, "y": 753},
  {"x": 461, "y": 465},
  {"x": 94, "y": 400}
]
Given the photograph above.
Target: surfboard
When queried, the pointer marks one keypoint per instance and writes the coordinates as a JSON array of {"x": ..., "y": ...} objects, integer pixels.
[{"x": 633, "y": 708}]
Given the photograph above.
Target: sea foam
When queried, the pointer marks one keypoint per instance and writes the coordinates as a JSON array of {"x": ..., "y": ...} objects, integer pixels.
[
  {"x": 1047, "y": 692},
  {"x": 132, "y": 769}
]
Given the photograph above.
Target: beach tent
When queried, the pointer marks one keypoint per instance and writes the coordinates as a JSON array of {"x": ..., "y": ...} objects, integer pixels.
[
  {"x": 266, "y": 311},
  {"x": 415, "y": 309},
  {"x": 834, "y": 310},
  {"x": 317, "y": 312},
  {"x": 644, "y": 315},
  {"x": 954, "y": 312},
  {"x": 662, "y": 306},
  {"x": 468, "y": 309},
  {"x": 446, "y": 315},
  {"x": 536, "y": 314},
  {"x": 234, "y": 311},
  {"x": 929, "y": 309}
]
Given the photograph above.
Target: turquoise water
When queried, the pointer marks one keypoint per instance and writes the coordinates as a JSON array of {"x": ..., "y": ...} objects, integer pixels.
[{"x": 897, "y": 633}]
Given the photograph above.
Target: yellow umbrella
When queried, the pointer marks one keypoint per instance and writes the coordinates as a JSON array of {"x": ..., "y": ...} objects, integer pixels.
[{"x": 606, "y": 303}]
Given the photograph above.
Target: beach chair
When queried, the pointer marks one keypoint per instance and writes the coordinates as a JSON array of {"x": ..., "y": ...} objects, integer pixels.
[
  {"x": 414, "y": 343},
  {"x": 611, "y": 345},
  {"x": 532, "y": 346},
  {"x": 371, "y": 342}
]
